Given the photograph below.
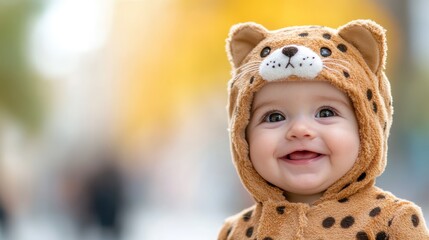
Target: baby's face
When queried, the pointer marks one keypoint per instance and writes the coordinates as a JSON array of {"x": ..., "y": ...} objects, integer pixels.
[{"x": 303, "y": 136}]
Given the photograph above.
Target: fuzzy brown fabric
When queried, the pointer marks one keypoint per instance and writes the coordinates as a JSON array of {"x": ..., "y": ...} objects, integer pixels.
[{"x": 351, "y": 208}]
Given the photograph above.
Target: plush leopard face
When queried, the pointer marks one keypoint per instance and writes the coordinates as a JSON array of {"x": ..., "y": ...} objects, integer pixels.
[{"x": 351, "y": 58}]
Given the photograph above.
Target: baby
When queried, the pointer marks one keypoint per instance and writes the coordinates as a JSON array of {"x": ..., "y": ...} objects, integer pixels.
[{"x": 310, "y": 110}]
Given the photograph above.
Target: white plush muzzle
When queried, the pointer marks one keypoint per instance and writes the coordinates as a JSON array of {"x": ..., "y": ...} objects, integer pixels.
[{"x": 291, "y": 60}]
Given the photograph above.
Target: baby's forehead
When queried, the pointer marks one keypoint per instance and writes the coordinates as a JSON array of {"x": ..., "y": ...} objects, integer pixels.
[
  {"x": 298, "y": 91},
  {"x": 313, "y": 86}
]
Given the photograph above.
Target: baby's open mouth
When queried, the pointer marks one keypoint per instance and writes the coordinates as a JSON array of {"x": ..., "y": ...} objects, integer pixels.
[{"x": 301, "y": 155}]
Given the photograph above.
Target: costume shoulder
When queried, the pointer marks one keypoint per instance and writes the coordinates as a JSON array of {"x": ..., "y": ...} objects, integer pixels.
[
  {"x": 237, "y": 222},
  {"x": 408, "y": 222}
]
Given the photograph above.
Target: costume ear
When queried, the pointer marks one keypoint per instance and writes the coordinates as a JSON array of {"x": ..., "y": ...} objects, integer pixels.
[
  {"x": 369, "y": 38},
  {"x": 242, "y": 39}
]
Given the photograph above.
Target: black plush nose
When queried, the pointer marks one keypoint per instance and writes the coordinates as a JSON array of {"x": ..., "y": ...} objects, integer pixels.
[{"x": 289, "y": 51}]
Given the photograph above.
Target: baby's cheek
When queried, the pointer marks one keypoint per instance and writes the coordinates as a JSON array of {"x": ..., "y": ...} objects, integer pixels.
[
  {"x": 349, "y": 148},
  {"x": 345, "y": 144},
  {"x": 258, "y": 149},
  {"x": 262, "y": 148}
]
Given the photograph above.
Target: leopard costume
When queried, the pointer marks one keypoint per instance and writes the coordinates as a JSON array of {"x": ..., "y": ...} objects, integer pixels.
[{"x": 351, "y": 58}]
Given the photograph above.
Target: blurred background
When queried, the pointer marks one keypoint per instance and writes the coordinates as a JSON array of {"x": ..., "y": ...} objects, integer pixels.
[{"x": 113, "y": 120}]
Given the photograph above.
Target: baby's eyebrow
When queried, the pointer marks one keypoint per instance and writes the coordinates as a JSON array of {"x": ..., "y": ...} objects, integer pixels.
[
  {"x": 345, "y": 102},
  {"x": 261, "y": 105}
]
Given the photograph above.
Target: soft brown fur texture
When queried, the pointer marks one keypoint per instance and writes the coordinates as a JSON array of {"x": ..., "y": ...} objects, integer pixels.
[{"x": 352, "y": 208}]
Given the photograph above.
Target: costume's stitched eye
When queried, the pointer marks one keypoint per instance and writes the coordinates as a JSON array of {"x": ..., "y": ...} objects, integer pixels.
[
  {"x": 265, "y": 51},
  {"x": 274, "y": 117},
  {"x": 325, "y": 52}
]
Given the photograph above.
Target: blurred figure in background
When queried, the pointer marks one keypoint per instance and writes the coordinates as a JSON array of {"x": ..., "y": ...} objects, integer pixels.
[
  {"x": 105, "y": 196},
  {"x": 93, "y": 194},
  {"x": 4, "y": 218}
]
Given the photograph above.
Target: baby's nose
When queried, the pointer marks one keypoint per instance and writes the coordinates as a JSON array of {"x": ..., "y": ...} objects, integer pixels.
[
  {"x": 289, "y": 51},
  {"x": 300, "y": 130}
]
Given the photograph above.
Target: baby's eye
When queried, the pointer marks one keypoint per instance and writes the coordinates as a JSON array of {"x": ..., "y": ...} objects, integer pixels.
[
  {"x": 274, "y": 117},
  {"x": 326, "y": 112}
]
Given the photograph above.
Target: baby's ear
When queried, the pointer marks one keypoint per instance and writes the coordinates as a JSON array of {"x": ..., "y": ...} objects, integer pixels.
[
  {"x": 369, "y": 38},
  {"x": 242, "y": 39}
]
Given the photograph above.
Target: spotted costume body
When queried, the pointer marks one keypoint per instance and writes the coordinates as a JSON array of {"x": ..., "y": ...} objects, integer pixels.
[{"x": 351, "y": 58}]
